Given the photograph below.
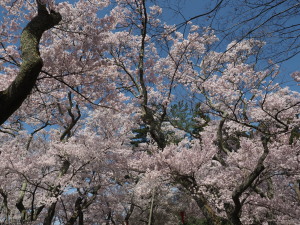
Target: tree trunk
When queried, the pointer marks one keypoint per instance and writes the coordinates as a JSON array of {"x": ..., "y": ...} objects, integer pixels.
[{"x": 12, "y": 98}]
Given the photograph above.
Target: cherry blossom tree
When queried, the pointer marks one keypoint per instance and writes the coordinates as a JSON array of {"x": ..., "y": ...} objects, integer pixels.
[{"x": 220, "y": 136}]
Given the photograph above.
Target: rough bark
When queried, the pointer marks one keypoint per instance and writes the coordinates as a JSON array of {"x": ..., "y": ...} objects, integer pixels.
[
  {"x": 50, "y": 214},
  {"x": 12, "y": 98},
  {"x": 77, "y": 213},
  {"x": 20, "y": 206},
  {"x": 234, "y": 211},
  {"x": 5, "y": 202},
  {"x": 189, "y": 183}
]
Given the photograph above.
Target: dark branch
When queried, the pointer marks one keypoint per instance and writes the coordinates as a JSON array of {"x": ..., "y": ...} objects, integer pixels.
[{"x": 12, "y": 98}]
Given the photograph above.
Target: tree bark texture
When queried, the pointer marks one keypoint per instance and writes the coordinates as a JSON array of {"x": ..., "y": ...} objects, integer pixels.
[{"x": 12, "y": 98}]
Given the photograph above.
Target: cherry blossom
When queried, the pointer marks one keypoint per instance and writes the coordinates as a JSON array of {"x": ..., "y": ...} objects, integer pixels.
[{"x": 97, "y": 139}]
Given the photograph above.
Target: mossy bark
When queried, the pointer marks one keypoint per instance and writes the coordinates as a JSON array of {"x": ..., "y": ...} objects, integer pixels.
[
  {"x": 190, "y": 185},
  {"x": 12, "y": 98}
]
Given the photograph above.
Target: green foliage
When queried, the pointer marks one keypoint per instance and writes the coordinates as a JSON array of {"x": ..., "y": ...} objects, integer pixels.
[
  {"x": 140, "y": 136},
  {"x": 182, "y": 116},
  {"x": 295, "y": 135},
  {"x": 188, "y": 118}
]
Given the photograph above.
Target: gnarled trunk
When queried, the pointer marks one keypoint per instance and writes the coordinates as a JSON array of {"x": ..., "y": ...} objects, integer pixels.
[{"x": 12, "y": 98}]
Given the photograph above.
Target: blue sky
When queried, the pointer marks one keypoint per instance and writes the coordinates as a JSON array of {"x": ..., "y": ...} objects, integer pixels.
[
  {"x": 196, "y": 7},
  {"x": 191, "y": 8}
]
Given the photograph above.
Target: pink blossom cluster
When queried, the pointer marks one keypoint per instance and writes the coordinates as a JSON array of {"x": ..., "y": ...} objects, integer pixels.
[{"x": 99, "y": 138}]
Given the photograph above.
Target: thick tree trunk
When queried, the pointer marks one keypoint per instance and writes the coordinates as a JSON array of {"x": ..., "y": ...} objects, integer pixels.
[
  {"x": 234, "y": 211},
  {"x": 12, "y": 98},
  {"x": 190, "y": 184},
  {"x": 77, "y": 213},
  {"x": 50, "y": 214},
  {"x": 20, "y": 206}
]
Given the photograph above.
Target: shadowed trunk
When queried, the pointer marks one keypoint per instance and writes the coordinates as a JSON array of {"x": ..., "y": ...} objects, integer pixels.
[
  {"x": 190, "y": 184},
  {"x": 12, "y": 98}
]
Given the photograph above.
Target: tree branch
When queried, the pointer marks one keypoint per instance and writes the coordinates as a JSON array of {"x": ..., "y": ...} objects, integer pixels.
[
  {"x": 12, "y": 98},
  {"x": 236, "y": 210}
]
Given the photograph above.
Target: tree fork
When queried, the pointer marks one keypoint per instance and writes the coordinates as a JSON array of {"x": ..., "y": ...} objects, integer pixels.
[
  {"x": 12, "y": 98},
  {"x": 189, "y": 183}
]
